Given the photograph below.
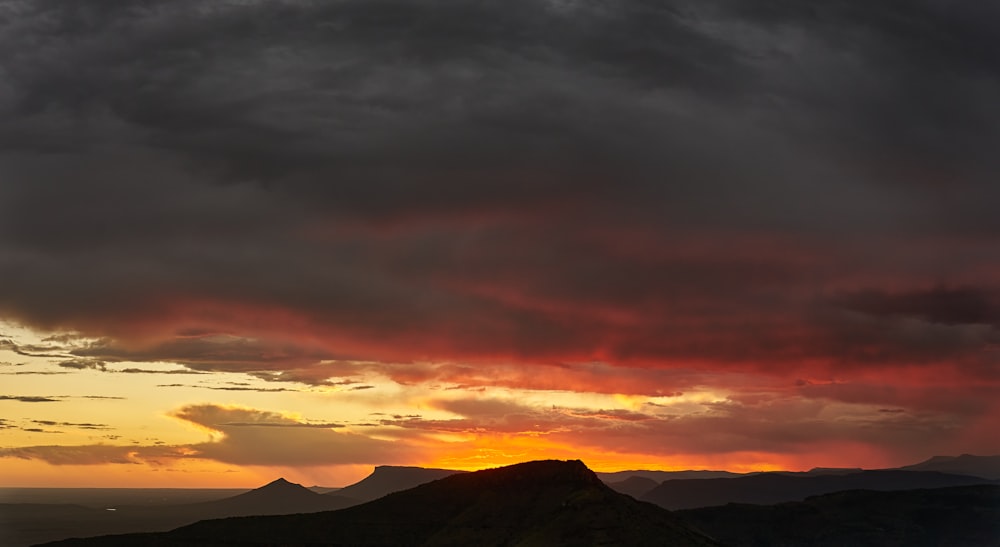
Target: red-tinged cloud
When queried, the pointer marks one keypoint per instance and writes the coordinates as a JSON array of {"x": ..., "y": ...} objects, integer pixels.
[
  {"x": 253, "y": 437},
  {"x": 777, "y": 426},
  {"x": 534, "y": 188}
]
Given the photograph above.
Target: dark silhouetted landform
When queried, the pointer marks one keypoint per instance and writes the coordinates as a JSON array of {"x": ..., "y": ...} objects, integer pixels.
[
  {"x": 636, "y": 487},
  {"x": 387, "y": 479},
  {"x": 26, "y": 524},
  {"x": 831, "y": 471},
  {"x": 978, "y": 466},
  {"x": 961, "y": 516},
  {"x": 279, "y": 497},
  {"x": 535, "y": 503},
  {"x": 23, "y": 524},
  {"x": 770, "y": 488},
  {"x": 660, "y": 476}
]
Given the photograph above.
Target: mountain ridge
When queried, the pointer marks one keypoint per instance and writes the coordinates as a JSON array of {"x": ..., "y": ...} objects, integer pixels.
[
  {"x": 547, "y": 502},
  {"x": 386, "y": 479},
  {"x": 965, "y": 464}
]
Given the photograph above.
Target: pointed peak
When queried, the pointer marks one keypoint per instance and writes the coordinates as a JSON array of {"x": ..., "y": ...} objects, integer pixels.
[{"x": 281, "y": 484}]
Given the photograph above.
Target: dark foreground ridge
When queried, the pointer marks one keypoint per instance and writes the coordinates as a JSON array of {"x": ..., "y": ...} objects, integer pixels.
[
  {"x": 961, "y": 516},
  {"x": 535, "y": 503},
  {"x": 769, "y": 488}
]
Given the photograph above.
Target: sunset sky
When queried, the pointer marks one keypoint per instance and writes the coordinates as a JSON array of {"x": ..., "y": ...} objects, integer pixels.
[{"x": 246, "y": 239}]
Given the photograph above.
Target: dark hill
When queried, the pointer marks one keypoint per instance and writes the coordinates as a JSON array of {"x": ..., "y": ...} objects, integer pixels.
[
  {"x": 962, "y": 516},
  {"x": 537, "y": 503},
  {"x": 386, "y": 479},
  {"x": 768, "y": 488},
  {"x": 634, "y": 486},
  {"x": 279, "y": 497},
  {"x": 978, "y": 466}
]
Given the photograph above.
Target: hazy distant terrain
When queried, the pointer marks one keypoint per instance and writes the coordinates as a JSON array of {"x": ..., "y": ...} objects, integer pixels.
[
  {"x": 29, "y": 523},
  {"x": 634, "y": 486},
  {"x": 966, "y": 464},
  {"x": 35, "y": 515},
  {"x": 102, "y": 498}
]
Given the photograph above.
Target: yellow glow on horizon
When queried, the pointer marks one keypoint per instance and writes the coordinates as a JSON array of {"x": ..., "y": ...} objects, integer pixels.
[{"x": 480, "y": 428}]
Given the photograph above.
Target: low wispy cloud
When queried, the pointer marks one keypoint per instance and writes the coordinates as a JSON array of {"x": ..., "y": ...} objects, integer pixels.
[
  {"x": 232, "y": 388},
  {"x": 82, "y": 425},
  {"x": 29, "y": 398}
]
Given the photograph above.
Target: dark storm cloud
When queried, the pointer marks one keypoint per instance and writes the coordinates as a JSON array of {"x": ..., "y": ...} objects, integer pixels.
[
  {"x": 946, "y": 305},
  {"x": 264, "y": 186},
  {"x": 230, "y": 353}
]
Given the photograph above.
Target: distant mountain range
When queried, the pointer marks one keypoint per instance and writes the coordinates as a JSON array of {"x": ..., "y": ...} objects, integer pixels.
[
  {"x": 660, "y": 476},
  {"x": 634, "y": 486},
  {"x": 24, "y": 524},
  {"x": 769, "y": 488},
  {"x": 534, "y": 503},
  {"x": 978, "y": 466}
]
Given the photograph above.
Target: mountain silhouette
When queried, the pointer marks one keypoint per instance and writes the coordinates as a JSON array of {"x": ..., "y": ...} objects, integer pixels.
[
  {"x": 987, "y": 467},
  {"x": 386, "y": 479},
  {"x": 279, "y": 497},
  {"x": 962, "y": 516},
  {"x": 535, "y": 503},
  {"x": 768, "y": 488},
  {"x": 833, "y": 471},
  {"x": 634, "y": 486},
  {"x": 660, "y": 476}
]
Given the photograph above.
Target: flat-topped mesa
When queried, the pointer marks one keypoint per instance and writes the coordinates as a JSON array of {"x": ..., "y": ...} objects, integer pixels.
[
  {"x": 386, "y": 479},
  {"x": 549, "y": 471}
]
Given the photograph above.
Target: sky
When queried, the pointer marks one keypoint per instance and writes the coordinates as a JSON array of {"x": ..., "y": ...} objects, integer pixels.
[{"x": 245, "y": 239}]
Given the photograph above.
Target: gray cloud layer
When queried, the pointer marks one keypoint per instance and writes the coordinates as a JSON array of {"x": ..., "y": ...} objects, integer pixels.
[{"x": 678, "y": 181}]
